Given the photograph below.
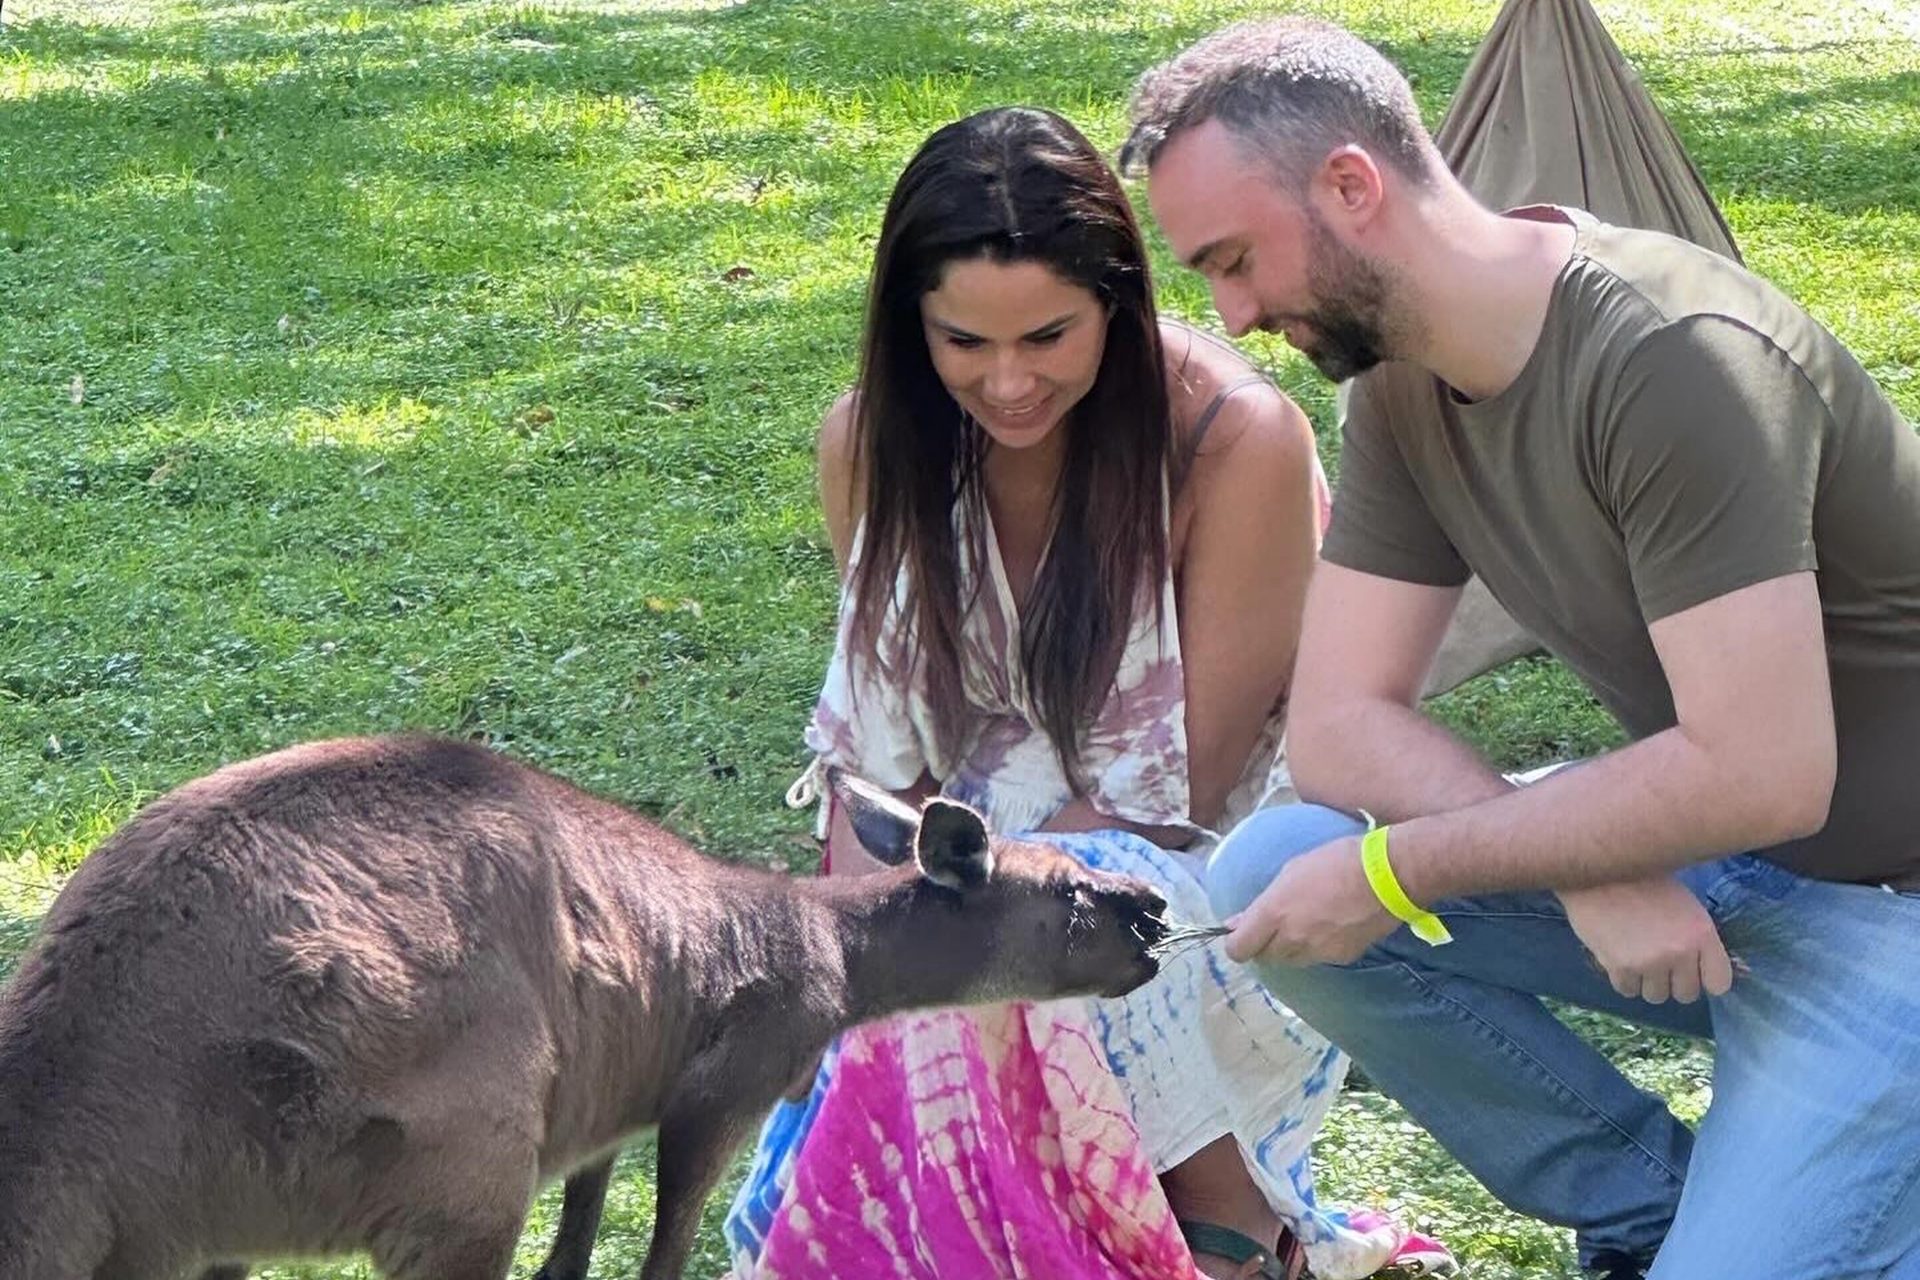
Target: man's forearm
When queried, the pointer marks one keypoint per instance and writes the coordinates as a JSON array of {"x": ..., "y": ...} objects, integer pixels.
[
  {"x": 1389, "y": 760},
  {"x": 1644, "y": 810}
]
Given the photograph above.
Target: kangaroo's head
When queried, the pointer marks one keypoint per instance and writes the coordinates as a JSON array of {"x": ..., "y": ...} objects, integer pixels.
[{"x": 1011, "y": 919}]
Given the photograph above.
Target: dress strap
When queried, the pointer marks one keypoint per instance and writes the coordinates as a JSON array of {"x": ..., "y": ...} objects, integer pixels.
[{"x": 1183, "y": 463}]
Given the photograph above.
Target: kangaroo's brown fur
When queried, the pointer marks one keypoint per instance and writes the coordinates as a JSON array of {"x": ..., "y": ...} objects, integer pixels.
[{"x": 371, "y": 993}]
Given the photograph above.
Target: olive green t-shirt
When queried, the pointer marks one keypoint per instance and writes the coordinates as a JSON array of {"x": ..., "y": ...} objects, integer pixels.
[{"x": 1682, "y": 429}]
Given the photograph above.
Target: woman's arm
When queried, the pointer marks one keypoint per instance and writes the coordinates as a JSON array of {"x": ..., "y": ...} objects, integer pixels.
[
  {"x": 842, "y": 498},
  {"x": 1080, "y": 815},
  {"x": 843, "y": 489},
  {"x": 1246, "y": 531},
  {"x": 1251, "y": 533}
]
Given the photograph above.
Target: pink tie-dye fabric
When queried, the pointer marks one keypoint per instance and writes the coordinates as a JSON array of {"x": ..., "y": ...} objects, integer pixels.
[{"x": 1009, "y": 1153}]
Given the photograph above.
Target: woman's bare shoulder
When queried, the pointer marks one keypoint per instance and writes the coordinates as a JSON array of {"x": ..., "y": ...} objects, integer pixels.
[{"x": 1250, "y": 416}]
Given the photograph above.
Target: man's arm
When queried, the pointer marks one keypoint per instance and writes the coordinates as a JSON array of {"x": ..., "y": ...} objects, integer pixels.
[
  {"x": 1355, "y": 738},
  {"x": 1377, "y": 612},
  {"x": 1750, "y": 764}
]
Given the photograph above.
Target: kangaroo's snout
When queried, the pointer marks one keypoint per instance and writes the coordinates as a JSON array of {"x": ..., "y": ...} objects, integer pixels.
[{"x": 1141, "y": 916}]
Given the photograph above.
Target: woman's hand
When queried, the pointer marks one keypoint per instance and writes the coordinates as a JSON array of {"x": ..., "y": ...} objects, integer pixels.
[{"x": 1079, "y": 815}]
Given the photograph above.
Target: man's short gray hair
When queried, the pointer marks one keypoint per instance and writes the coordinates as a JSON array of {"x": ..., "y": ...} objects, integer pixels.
[{"x": 1291, "y": 89}]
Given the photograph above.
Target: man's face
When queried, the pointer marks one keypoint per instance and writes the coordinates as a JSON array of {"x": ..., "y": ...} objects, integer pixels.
[{"x": 1272, "y": 261}]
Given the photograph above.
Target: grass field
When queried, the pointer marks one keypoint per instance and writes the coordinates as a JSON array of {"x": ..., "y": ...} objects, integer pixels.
[{"x": 455, "y": 365}]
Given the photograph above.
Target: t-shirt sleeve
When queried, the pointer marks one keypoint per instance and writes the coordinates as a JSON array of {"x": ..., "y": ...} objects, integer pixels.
[
  {"x": 1710, "y": 458},
  {"x": 1381, "y": 523}
]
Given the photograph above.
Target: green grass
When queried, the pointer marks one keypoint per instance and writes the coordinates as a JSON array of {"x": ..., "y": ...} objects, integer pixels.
[{"x": 383, "y": 364}]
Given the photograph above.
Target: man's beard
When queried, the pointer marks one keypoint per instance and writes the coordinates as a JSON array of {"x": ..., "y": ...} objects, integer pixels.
[
  {"x": 1345, "y": 343},
  {"x": 1349, "y": 319}
]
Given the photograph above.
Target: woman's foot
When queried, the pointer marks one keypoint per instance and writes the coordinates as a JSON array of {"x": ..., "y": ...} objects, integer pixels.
[
  {"x": 1216, "y": 1267},
  {"x": 1222, "y": 1252},
  {"x": 1212, "y": 1191}
]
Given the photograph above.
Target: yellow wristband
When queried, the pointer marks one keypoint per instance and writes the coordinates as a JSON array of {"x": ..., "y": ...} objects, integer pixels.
[{"x": 1426, "y": 926}]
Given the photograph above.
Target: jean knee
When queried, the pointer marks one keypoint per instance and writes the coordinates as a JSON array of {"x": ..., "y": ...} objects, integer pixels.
[{"x": 1254, "y": 851}]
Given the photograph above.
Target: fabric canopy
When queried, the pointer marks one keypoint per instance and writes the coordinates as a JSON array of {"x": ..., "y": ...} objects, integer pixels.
[{"x": 1549, "y": 111}]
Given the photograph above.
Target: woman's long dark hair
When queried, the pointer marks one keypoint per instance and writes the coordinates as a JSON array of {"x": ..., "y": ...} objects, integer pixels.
[{"x": 1012, "y": 184}]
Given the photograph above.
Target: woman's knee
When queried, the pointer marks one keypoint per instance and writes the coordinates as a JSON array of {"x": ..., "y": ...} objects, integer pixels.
[{"x": 1254, "y": 851}]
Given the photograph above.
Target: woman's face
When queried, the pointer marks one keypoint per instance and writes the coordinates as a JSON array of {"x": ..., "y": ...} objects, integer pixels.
[{"x": 1016, "y": 344}]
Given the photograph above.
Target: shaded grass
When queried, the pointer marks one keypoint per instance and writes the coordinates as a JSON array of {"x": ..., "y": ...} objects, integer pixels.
[{"x": 382, "y": 365}]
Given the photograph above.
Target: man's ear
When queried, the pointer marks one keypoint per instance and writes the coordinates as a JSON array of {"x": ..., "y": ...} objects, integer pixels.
[
  {"x": 884, "y": 826},
  {"x": 1350, "y": 184},
  {"x": 951, "y": 846}
]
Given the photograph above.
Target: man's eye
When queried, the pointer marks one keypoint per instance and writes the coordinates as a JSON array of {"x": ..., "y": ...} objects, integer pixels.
[{"x": 1237, "y": 267}]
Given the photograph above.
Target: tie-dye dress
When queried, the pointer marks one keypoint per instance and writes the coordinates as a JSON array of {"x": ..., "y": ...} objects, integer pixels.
[{"x": 1025, "y": 1140}]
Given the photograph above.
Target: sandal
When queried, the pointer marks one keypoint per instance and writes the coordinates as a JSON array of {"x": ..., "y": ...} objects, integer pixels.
[{"x": 1286, "y": 1260}]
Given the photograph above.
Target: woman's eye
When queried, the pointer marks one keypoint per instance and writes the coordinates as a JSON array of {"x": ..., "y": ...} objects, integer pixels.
[
  {"x": 1237, "y": 267},
  {"x": 965, "y": 344},
  {"x": 1045, "y": 339}
]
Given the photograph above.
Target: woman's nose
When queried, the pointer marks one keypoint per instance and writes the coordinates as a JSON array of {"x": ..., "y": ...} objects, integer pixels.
[{"x": 1010, "y": 382}]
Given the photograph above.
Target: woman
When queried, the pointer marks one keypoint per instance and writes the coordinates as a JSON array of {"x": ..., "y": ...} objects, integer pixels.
[{"x": 1074, "y": 545}]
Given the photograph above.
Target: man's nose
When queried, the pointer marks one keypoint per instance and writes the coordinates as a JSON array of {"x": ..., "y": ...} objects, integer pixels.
[{"x": 1238, "y": 309}]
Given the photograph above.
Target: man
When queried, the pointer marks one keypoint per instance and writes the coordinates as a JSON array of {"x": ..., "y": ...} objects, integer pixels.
[{"x": 1699, "y": 500}]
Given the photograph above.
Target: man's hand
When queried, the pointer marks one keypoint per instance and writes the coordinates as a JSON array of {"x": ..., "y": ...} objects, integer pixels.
[
  {"x": 1652, "y": 938},
  {"x": 1318, "y": 910}
]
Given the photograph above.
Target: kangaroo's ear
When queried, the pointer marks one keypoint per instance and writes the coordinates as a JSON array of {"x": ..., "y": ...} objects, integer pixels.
[
  {"x": 883, "y": 825},
  {"x": 951, "y": 846}
]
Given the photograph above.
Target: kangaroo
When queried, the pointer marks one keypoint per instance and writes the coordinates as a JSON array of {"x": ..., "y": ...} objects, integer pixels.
[{"x": 369, "y": 994}]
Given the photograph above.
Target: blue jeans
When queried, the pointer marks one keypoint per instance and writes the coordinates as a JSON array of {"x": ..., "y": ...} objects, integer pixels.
[{"x": 1807, "y": 1163}]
